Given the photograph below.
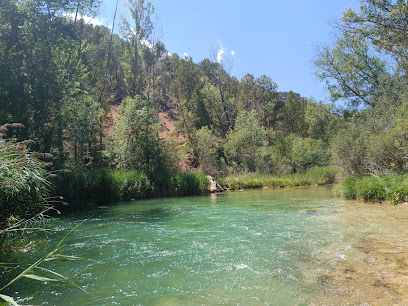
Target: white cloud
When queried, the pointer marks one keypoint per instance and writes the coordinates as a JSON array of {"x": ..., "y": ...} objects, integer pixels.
[
  {"x": 232, "y": 53},
  {"x": 94, "y": 21},
  {"x": 185, "y": 54},
  {"x": 146, "y": 43},
  {"x": 220, "y": 54}
]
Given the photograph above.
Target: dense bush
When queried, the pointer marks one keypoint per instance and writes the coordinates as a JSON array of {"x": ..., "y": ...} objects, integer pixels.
[
  {"x": 203, "y": 151},
  {"x": 392, "y": 188},
  {"x": 81, "y": 188},
  {"x": 317, "y": 176},
  {"x": 135, "y": 141},
  {"x": 374, "y": 141},
  {"x": 24, "y": 188},
  {"x": 242, "y": 143},
  {"x": 304, "y": 153},
  {"x": 188, "y": 183}
]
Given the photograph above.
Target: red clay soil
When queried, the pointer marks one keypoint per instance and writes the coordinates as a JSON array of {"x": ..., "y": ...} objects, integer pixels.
[
  {"x": 109, "y": 119},
  {"x": 169, "y": 129}
]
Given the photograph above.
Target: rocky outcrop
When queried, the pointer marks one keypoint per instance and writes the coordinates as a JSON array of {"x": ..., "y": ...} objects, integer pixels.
[{"x": 214, "y": 186}]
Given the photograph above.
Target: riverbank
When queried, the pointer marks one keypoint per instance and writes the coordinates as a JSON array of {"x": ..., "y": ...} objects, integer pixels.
[
  {"x": 317, "y": 176},
  {"x": 388, "y": 188},
  {"x": 81, "y": 189},
  {"x": 99, "y": 187}
]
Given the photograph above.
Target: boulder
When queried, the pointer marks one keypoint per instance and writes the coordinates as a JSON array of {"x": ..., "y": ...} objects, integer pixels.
[{"x": 214, "y": 186}]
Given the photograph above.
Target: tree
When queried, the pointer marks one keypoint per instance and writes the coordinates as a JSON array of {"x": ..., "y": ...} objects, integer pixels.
[
  {"x": 350, "y": 70},
  {"x": 204, "y": 150},
  {"x": 135, "y": 143},
  {"x": 349, "y": 150},
  {"x": 320, "y": 120},
  {"x": 136, "y": 35},
  {"x": 383, "y": 25},
  {"x": 81, "y": 122},
  {"x": 260, "y": 94},
  {"x": 185, "y": 93},
  {"x": 43, "y": 55},
  {"x": 242, "y": 142},
  {"x": 293, "y": 115},
  {"x": 304, "y": 153}
]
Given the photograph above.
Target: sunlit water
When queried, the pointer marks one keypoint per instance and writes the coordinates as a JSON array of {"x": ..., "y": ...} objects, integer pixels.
[{"x": 273, "y": 246}]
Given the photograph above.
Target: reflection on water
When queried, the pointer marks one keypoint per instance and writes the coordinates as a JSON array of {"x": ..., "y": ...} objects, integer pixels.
[{"x": 286, "y": 246}]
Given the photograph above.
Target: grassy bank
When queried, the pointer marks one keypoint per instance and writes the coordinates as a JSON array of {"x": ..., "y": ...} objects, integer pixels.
[
  {"x": 82, "y": 188},
  {"x": 391, "y": 188},
  {"x": 317, "y": 176}
]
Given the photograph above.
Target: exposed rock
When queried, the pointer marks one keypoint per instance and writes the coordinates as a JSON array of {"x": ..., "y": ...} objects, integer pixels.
[
  {"x": 284, "y": 95},
  {"x": 214, "y": 186}
]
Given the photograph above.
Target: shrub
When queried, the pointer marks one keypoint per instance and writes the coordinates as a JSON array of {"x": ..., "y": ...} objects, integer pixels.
[
  {"x": 317, "y": 176},
  {"x": 371, "y": 189},
  {"x": 187, "y": 183},
  {"x": 392, "y": 188},
  {"x": 130, "y": 184},
  {"x": 24, "y": 188},
  {"x": 81, "y": 187}
]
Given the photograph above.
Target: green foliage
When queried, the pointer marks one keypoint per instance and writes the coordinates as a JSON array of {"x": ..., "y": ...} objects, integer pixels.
[
  {"x": 24, "y": 188},
  {"x": 392, "y": 188},
  {"x": 296, "y": 154},
  {"x": 374, "y": 141},
  {"x": 81, "y": 117},
  {"x": 188, "y": 100},
  {"x": 135, "y": 143},
  {"x": 317, "y": 176},
  {"x": 349, "y": 151},
  {"x": 36, "y": 271},
  {"x": 129, "y": 184},
  {"x": 242, "y": 142},
  {"x": 350, "y": 69},
  {"x": 348, "y": 188},
  {"x": 134, "y": 33},
  {"x": 293, "y": 121},
  {"x": 188, "y": 183},
  {"x": 320, "y": 120},
  {"x": 381, "y": 24},
  {"x": 305, "y": 153},
  {"x": 268, "y": 160},
  {"x": 46, "y": 63},
  {"x": 81, "y": 188},
  {"x": 213, "y": 104},
  {"x": 203, "y": 150}
]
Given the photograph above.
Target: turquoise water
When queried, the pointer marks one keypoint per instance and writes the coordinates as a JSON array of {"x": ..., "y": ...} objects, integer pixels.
[{"x": 272, "y": 246}]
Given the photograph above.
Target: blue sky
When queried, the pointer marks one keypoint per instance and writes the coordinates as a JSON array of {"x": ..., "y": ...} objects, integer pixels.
[{"x": 275, "y": 38}]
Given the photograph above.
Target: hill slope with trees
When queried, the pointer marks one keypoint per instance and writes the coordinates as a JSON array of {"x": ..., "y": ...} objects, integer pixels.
[{"x": 99, "y": 101}]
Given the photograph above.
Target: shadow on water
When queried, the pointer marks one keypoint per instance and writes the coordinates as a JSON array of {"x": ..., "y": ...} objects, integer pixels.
[
  {"x": 138, "y": 214},
  {"x": 156, "y": 214}
]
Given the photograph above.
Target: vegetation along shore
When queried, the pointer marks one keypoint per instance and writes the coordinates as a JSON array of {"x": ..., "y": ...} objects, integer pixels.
[
  {"x": 93, "y": 114},
  {"x": 98, "y": 116}
]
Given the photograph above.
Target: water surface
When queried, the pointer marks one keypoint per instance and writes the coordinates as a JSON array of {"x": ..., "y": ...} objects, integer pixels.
[{"x": 294, "y": 246}]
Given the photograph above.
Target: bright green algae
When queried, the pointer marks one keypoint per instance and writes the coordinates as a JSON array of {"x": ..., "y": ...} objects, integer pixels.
[{"x": 270, "y": 246}]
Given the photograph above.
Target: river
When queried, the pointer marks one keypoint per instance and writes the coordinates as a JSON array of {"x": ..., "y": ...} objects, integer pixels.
[{"x": 294, "y": 246}]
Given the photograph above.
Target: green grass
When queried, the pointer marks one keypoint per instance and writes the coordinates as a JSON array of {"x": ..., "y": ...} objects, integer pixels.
[
  {"x": 317, "y": 176},
  {"x": 391, "y": 188},
  {"x": 82, "y": 188}
]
